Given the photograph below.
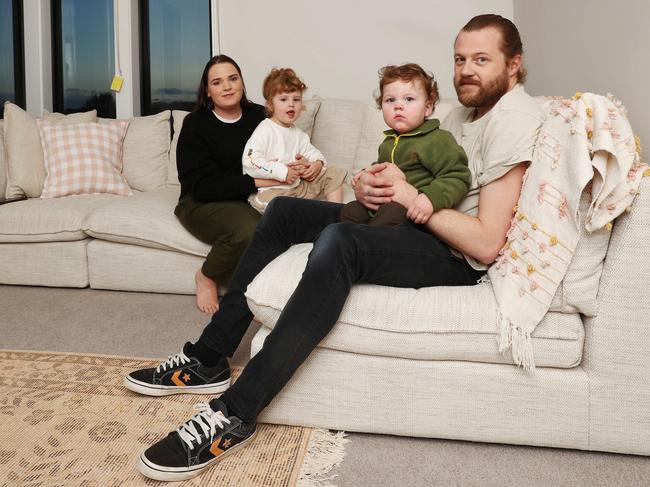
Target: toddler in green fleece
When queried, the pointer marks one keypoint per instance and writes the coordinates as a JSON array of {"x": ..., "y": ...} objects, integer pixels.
[{"x": 428, "y": 156}]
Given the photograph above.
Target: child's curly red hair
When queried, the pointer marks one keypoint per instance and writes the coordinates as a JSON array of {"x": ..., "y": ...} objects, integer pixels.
[
  {"x": 280, "y": 80},
  {"x": 408, "y": 72}
]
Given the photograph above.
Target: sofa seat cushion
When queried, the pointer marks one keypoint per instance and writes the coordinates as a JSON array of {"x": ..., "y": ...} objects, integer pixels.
[
  {"x": 145, "y": 219},
  {"x": 52, "y": 220},
  {"x": 437, "y": 323}
]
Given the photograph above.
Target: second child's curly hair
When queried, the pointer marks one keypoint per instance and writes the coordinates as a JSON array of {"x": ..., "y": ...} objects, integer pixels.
[
  {"x": 408, "y": 72},
  {"x": 280, "y": 80}
]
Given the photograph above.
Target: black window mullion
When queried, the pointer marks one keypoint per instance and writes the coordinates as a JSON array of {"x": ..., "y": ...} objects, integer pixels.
[
  {"x": 145, "y": 59},
  {"x": 57, "y": 56},
  {"x": 19, "y": 53}
]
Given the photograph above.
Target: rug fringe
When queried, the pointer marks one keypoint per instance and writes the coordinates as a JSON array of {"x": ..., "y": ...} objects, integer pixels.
[{"x": 325, "y": 451}]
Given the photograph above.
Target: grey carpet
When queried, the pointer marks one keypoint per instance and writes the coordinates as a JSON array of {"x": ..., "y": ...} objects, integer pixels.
[{"x": 157, "y": 325}]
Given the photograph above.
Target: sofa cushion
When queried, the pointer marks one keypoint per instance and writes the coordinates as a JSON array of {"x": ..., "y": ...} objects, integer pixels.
[
  {"x": 53, "y": 220},
  {"x": 437, "y": 323},
  {"x": 26, "y": 170},
  {"x": 146, "y": 151},
  {"x": 56, "y": 264},
  {"x": 337, "y": 129},
  {"x": 145, "y": 219},
  {"x": 579, "y": 289},
  {"x": 308, "y": 116}
]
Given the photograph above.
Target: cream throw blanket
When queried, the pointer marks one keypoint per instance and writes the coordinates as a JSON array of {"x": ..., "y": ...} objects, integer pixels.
[{"x": 584, "y": 140}]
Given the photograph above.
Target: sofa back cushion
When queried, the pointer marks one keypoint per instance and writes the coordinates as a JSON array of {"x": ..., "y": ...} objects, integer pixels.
[
  {"x": 308, "y": 116},
  {"x": 3, "y": 160},
  {"x": 146, "y": 151},
  {"x": 337, "y": 129},
  {"x": 26, "y": 169},
  {"x": 579, "y": 289}
]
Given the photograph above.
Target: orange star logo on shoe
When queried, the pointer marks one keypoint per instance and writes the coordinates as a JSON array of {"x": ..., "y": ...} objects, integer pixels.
[
  {"x": 176, "y": 378},
  {"x": 215, "y": 449}
]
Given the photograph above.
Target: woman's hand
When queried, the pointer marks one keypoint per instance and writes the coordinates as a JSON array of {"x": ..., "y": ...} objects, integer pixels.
[
  {"x": 420, "y": 210},
  {"x": 265, "y": 183}
]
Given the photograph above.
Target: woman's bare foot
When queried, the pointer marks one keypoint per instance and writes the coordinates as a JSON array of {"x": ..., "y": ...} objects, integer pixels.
[{"x": 206, "y": 293}]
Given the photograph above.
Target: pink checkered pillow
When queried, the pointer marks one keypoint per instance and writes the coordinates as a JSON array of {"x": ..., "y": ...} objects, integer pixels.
[{"x": 83, "y": 158}]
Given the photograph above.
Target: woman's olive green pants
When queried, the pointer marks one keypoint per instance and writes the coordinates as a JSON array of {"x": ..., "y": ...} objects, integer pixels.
[{"x": 227, "y": 226}]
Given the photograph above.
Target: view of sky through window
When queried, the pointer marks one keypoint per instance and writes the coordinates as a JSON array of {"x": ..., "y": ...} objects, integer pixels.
[
  {"x": 87, "y": 56},
  {"x": 7, "y": 87},
  {"x": 179, "y": 46}
]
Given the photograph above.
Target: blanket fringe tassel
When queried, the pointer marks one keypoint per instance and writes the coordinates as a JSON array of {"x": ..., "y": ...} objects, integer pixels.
[
  {"x": 519, "y": 342},
  {"x": 325, "y": 451}
]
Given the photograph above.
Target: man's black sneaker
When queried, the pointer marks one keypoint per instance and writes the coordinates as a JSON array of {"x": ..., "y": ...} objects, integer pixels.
[
  {"x": 180, "y": 374},
  {"x": 198, "y": 444}
]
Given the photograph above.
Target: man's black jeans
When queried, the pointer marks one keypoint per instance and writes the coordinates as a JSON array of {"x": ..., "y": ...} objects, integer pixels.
[{"x": 343, "y": 254}]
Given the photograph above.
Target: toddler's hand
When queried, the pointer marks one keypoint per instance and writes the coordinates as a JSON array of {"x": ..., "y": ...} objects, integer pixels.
[
  {"x": 293, "y": 173},
  {"x": 420, "y": 210},
  {"x": 311, "y": 170}
]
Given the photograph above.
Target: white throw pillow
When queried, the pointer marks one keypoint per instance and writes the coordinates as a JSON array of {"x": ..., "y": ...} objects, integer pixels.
[
  {"x": 146, "y": 151},
  {"x": 26, "y": 169},
  {"x": 83, "y": 158}
]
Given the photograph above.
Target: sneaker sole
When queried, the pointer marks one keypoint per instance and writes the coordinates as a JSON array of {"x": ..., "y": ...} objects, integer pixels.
[
  {"x": 160, "y": 390},
  {"x": 156, "y": 472}
]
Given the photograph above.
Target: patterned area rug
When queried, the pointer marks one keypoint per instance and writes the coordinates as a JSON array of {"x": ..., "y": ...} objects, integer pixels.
[{"x": 66, "y": 420}]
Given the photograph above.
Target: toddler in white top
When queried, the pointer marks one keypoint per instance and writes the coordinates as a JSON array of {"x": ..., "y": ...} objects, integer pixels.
[{"x": 278, "y": 150}]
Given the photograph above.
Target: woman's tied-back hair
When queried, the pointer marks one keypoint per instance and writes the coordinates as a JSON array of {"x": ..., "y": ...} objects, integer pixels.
[
  {"x": 408, "y": 72},
  {"x": 203, "y": 101},
  {"x": 280, "y": 80},
  {"x": 510, "y": 44}
]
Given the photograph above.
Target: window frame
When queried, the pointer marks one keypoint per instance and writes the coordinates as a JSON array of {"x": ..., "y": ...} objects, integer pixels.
[{"x": 57, "y": 55}]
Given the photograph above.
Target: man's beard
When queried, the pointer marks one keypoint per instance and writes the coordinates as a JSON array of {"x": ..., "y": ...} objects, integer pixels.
[{"x": 487, "y": 95}]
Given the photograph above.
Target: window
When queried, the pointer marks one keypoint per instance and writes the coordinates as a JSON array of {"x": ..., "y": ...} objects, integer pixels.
[
  {"x": 12, "y": 65},
  {"x": 83, "y": 56},
  {"x": 175, "y": 48}
]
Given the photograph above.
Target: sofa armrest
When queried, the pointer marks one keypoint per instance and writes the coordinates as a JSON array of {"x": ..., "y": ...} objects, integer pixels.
[{"x": 617, "y": 340}]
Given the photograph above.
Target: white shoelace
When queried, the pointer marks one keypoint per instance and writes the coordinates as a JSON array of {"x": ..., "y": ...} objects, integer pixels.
[
  {"x": 207, "y": 419},
  {"x": 173, "y": 361}
]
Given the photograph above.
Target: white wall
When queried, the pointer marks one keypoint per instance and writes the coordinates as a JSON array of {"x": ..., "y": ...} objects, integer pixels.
[
  {"x": 337, "y": 46},
  {"x": 598, "y": 46}
]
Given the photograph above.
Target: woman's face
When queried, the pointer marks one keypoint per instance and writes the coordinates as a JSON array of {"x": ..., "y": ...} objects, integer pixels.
[{"x": 225, "y": 88}]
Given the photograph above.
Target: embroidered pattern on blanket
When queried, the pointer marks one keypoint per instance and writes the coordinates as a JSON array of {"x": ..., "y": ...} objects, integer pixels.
[{"x": 586, "y": 144}]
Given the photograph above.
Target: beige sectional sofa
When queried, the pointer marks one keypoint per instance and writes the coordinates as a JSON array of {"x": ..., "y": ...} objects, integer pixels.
[{"x": 400, "y": 361}]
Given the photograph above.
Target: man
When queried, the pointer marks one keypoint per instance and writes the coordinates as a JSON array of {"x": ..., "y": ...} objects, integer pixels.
[{"x": 497, "y": 128}]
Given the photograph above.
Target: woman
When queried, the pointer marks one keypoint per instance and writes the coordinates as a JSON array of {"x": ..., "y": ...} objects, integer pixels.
[{"x": 214, "y": 190}]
